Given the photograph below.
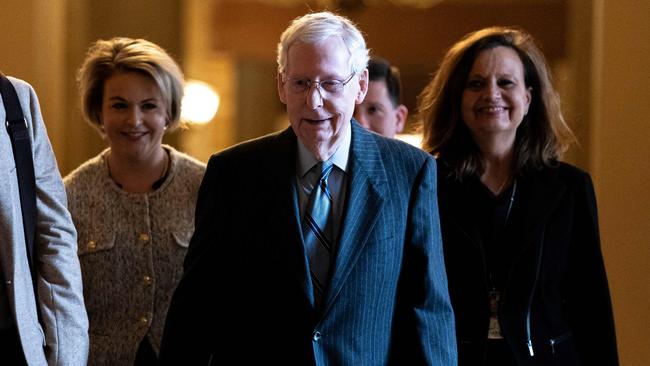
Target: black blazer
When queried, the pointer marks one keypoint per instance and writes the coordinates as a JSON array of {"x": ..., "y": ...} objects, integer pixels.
[
  {"x": 556, "y": 295},
  {"x": 246, "y": 297}
]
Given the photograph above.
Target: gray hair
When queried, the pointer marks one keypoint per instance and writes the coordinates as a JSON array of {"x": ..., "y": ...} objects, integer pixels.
[{"x": 316, "y": 27}]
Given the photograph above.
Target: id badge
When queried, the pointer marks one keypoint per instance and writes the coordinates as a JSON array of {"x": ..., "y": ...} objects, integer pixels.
[{"x": 494, "y": 331}]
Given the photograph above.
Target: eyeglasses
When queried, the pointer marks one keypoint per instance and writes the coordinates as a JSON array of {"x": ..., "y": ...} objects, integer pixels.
[{"x": 303, "y": 85}]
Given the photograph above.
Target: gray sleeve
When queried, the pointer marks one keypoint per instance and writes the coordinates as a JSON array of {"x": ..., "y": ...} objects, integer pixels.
[{"x": 60, "y": 292}]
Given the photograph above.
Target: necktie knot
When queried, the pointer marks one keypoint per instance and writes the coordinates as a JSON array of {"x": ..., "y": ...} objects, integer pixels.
[{"x": 323, "y": 169}]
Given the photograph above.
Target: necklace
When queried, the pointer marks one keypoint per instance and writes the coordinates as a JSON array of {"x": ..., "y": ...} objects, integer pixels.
[
  {"x": 494, "y": 328},
  {"x": 163, "y": 176},
  {"x": 156, "y": 184},
  {"x": 503, "y": 184},
  {"x": 512, "y": 200}
]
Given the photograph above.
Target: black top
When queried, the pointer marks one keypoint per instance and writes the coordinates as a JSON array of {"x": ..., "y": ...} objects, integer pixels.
[
  {"x": 494, "y": 218},
  {"x": 554, "y": 307}
]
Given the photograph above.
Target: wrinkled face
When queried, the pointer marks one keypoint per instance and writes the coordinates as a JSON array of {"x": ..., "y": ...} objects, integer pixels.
[
  {"x": 318, "y": 117},
  {"x": 133, "y": 115},
  {"x": 378, "y": 113},
  {"x": 495, "y": 99}
]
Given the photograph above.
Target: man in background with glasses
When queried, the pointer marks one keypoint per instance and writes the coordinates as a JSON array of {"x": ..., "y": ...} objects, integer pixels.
[{"x": 320, "y": 244}]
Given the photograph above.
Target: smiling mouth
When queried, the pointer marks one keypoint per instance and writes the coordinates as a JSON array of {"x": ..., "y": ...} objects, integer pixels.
[
  {"x": 492, "y": 109},
  {"x": 134, "y": 135},
  {"x": 315, "y": 121}
]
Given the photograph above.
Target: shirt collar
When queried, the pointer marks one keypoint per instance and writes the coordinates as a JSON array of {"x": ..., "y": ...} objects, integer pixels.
[{"x": 306, "y": 160}]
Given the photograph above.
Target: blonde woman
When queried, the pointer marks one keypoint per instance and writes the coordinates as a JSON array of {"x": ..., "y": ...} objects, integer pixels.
[{"x": 133, "y": 204}]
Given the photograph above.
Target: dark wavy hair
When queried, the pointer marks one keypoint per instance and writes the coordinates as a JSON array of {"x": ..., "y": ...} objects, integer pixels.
[{"x": 543, "y": 135}]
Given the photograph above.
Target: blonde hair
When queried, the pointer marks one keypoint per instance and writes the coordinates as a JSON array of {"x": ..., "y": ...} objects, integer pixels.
[{"x": 120, "y": 54}]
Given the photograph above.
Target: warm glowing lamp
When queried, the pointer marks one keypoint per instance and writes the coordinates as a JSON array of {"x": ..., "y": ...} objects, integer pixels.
[{"x": 200, "y": 102}]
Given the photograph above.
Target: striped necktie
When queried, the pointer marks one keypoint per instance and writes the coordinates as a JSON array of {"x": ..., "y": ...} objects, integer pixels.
[{"x": 317, "y": 229}]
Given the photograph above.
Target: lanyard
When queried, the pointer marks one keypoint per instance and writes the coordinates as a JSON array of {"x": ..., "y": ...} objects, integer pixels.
[{"x": 494, "y": 330}]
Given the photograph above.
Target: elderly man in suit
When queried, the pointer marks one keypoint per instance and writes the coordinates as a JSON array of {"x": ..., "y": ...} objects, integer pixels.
[
  {"x": 318, "y": 245},
  {"x": 61, "y": 337}
]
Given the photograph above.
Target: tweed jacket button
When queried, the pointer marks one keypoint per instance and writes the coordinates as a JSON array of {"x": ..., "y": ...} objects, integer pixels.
[
  {"x": 144, "y": 237},
  {"x": 91, "y": 245},
  {"x": 147, "y": 280},
  {"x": 144, "y": 321},
  {"x": 316, "y": 337}
]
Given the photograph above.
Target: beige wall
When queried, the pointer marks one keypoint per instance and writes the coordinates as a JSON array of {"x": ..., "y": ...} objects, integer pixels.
[
  {"x": 216, "y": 68},
  {"x": 32, "y": 46},
  {"x": 621, "y": 165}
]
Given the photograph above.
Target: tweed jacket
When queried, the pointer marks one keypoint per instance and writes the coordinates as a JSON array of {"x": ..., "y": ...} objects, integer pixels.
[
  {"x": 131, "y": 249},
  {"x": 63, "y": 340}
]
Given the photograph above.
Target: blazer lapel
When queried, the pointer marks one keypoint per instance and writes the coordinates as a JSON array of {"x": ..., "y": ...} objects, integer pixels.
[
  {"x": 545, "y": 193},
  {"x": 287, "y": 221},
  {"x": 366, "y": 184},
  {"x": 457, "y": 201}
]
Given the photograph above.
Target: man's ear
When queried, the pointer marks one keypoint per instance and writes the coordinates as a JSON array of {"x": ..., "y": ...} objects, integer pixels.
[
  {"x": 363, "y": 87},
  {"x": 281, "y": 92},
  {"x": 401, "y": 113}
]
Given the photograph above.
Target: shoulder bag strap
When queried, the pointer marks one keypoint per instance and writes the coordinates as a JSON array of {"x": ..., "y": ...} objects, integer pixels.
[{"x": 17, "y": 129}]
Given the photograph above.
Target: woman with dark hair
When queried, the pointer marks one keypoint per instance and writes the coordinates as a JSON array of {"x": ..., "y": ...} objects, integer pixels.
[{"x": 520, "y": 229}]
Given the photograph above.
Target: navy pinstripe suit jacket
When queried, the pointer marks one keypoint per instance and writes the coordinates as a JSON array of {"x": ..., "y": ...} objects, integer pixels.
[{"x": 246, "y": 291}]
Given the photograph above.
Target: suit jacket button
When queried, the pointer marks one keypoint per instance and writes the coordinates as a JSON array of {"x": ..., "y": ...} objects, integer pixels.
[
  {"x": 316, "y": 336},
  {"x": 144, "y": 321},
  {"x": 147, "y": 280}
]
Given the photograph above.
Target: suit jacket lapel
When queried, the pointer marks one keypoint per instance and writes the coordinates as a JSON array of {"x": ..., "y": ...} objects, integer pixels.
[
  {"x": 456, "y": 201},
  {"x": 545, "y": 190},
  {"x": 366, "y": 184},
  {"x": 545, "y": 193},
  {"x": 287, "y": 221}
]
